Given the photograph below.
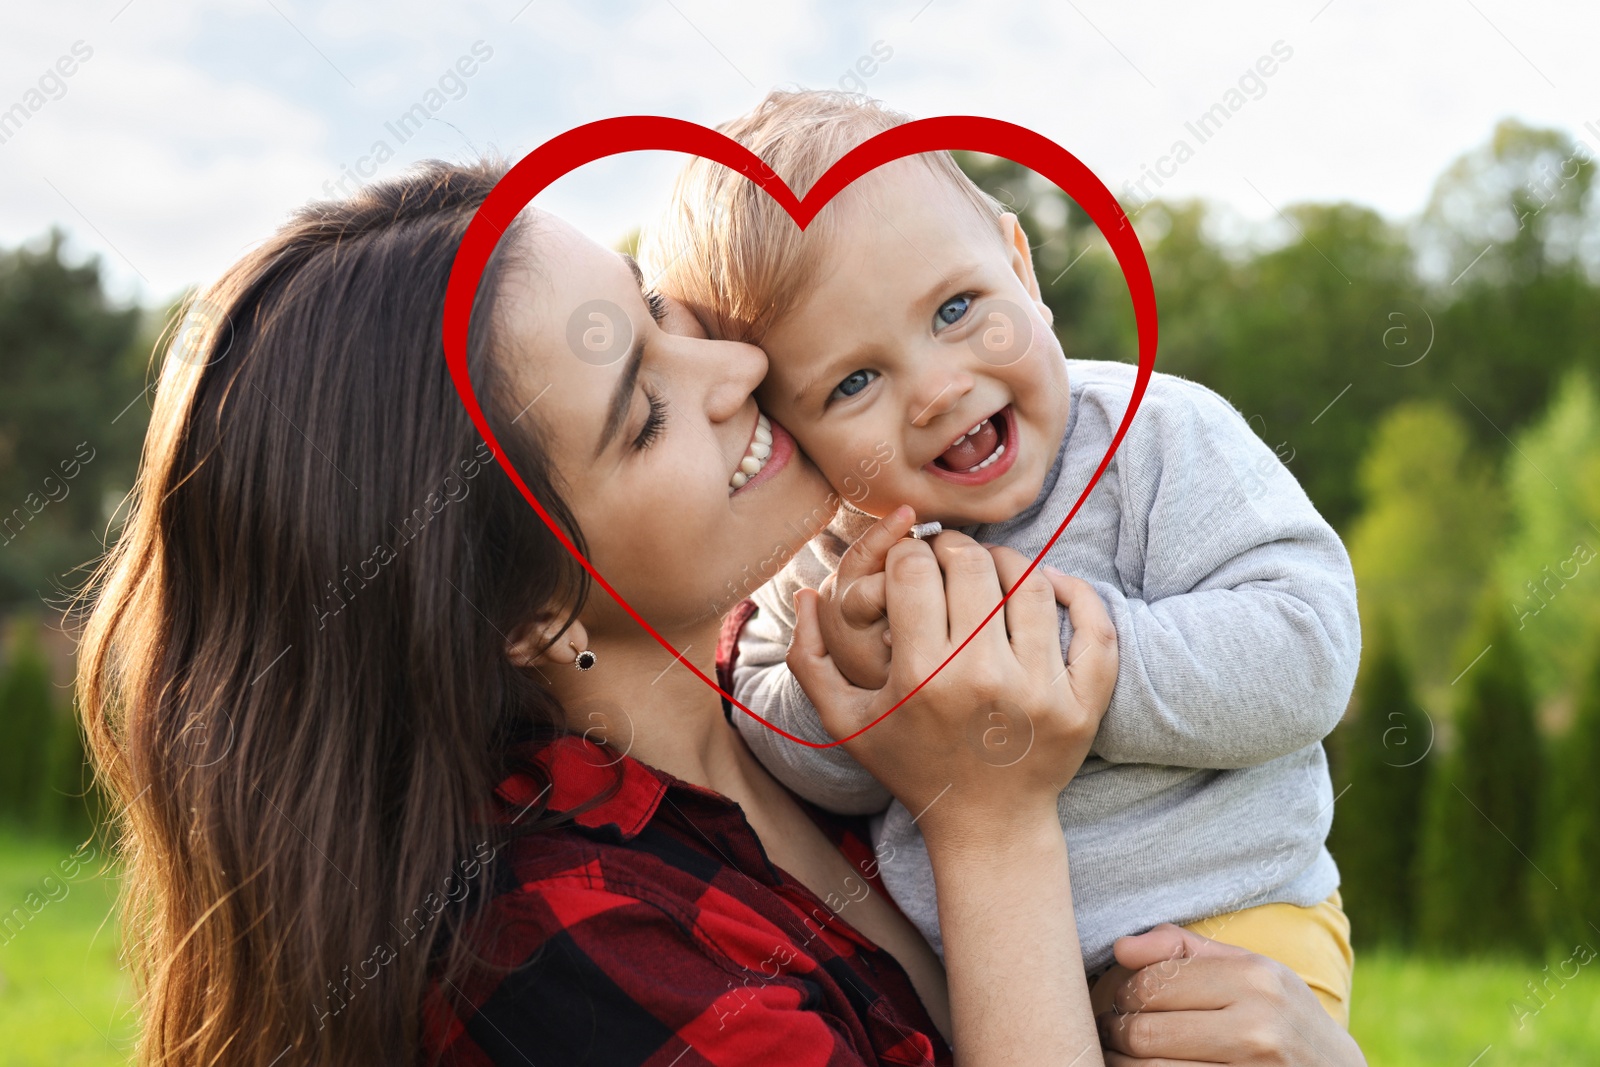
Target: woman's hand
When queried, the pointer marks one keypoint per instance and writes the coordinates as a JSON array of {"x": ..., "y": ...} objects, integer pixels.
[
  {"x": 981, "y": 753},
  {"x": 1181, "y": 998},
  {"x": 1004, "y": 727}
]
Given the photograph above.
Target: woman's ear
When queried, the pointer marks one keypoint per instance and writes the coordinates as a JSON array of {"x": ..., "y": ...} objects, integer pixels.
[
  {"x": 539, "y": 644},
  {"x": 1016, "y": 241}
]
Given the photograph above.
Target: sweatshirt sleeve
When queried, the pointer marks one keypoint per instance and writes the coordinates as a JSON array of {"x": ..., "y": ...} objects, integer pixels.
[
  {"x": 1236, "y": 617},
  {"x": 828, "y": 777}
]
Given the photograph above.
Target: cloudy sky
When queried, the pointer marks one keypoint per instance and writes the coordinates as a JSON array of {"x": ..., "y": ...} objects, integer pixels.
[{"x": 185, "y": 131}]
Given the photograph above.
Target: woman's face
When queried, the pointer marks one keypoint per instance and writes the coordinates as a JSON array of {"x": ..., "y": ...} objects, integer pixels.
[{"x": 649, "y": 426}]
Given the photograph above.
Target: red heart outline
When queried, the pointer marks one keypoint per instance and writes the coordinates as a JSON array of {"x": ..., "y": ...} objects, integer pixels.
[{"x": 641, "y": 133}]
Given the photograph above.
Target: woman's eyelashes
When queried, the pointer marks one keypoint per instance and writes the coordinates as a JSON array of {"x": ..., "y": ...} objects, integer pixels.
[
  {"x": 952, "y": 310},
  {"x": 657, "y": 305},
  {"x": 655, "y": 421},
  {"x": 852, "y": 384}
]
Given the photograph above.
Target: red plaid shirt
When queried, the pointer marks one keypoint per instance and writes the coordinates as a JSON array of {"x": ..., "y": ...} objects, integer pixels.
[{"x": 652, "y": 929}]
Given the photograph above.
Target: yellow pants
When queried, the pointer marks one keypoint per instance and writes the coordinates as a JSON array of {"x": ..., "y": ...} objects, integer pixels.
[{"x": 1312, "y": 942}]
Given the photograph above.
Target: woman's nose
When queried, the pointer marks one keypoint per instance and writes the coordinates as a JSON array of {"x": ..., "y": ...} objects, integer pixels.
[
  {"x": 731, "y": 370},
  {"x": 938, "y": 393}
]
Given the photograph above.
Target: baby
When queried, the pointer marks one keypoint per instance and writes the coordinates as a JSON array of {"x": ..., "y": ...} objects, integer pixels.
[{"x": 912, "y": 358}]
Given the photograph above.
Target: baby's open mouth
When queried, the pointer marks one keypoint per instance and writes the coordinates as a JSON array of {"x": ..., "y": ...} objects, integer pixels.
[{"x": 978, "y": 448}]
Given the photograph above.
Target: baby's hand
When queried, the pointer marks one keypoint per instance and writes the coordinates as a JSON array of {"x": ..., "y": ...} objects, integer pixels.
[{"x": 852, "y": 611}]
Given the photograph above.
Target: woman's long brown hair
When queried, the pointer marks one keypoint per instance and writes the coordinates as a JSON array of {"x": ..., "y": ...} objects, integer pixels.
[{"x": 293, "y": 674}]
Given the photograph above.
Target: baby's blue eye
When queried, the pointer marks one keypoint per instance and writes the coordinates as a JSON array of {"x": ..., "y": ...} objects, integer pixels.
[
  {"x": 854, "y": 382},
  {"x": 953, "y": 309}
]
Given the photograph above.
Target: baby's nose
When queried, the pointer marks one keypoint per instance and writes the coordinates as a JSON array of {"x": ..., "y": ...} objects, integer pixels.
[{"x": 939, "y": 396}]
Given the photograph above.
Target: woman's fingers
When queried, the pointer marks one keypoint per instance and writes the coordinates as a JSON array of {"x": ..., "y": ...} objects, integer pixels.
[
  {"x": 1092, "y": 656},
  {"x": 1199, "y": 983},
  {"x": 918, "y": 625},
  {"x": 1194, "y": 999},
  {"x": 971, "y": 588},
  {"x": 1178, "y": 1037},
  {"x": 1031, "y": 617},
  {"x": 1166, "y": 943}
]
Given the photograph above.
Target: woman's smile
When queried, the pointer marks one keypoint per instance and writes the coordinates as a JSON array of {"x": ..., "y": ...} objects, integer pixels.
[{"x": 768, "y": 453}]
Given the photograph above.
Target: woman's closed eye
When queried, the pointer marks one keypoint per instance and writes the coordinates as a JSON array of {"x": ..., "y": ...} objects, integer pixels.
[
  {"x": 952, "y": 310},
  {"x": 655, "y": 422},
  {"x": 852, "y": 384}
]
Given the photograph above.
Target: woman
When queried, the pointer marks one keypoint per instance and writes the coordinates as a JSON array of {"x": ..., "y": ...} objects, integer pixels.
[{"x": 373, "y": 811}]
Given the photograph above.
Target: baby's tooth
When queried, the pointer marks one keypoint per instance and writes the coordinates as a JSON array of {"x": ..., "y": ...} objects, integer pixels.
[
  {"x": 760, "y": 449},
  {"x": 750, "y": 464},
  {"x": 738, "y": 479},
  {"x": 763, "y": 435},
  {"x": 976, "y": 428}
]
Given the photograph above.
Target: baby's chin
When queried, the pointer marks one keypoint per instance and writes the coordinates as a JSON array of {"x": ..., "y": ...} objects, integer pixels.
[{"x": 954, "y": 506}]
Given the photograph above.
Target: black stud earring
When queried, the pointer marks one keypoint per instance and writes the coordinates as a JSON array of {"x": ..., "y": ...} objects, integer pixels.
[{"x": 586, "y": 657}]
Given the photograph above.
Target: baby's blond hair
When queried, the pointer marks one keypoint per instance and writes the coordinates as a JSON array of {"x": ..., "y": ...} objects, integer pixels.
[{"x": 727, "y": 250}]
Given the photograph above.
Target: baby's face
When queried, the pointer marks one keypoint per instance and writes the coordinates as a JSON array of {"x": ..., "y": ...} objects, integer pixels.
[{"x": 921, "y": 369}]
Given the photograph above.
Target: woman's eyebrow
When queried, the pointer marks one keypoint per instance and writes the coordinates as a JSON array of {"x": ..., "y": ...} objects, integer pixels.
[{"x": 638, "y": 272}]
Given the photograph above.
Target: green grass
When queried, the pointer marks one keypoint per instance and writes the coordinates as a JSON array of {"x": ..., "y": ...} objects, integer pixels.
[
  {"x": 1409, "y": 1012},
  {"x": 65, "y": 1002}
]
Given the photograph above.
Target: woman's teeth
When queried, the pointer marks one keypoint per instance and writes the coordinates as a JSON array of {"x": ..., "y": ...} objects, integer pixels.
[{"x": 755, "y": 457}]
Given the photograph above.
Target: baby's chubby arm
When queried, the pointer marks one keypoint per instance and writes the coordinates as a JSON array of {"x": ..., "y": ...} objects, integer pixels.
[{"x": 1243, "y": 641}]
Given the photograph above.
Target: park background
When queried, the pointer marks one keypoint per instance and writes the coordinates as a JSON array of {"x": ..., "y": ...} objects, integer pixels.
[{"x": 1376, "y": 233}]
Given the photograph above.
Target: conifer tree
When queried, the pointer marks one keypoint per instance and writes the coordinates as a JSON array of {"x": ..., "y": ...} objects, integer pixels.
[
  {"x": 1475, "y": 889},
  {"x": 1384, "y": 749},
  {"x": 1574, "y": 820},
  {"x": 27, "y": 729}
]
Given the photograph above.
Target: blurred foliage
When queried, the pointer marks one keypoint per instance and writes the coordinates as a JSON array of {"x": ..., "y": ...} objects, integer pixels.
[
  {"x": 44, "y": 779},
  {"x": 28, "y": 709},
  {"x": 1381, "y": 763},
  {"x": 1572, "y": 843},
  {"x": 1316, "y": 325},
  {"x": 1431, "y": 524},
  {"x": 1482, "y": 813},
  {"x": 1550, "y": 565},
  {"x": 72, "y": 417}
]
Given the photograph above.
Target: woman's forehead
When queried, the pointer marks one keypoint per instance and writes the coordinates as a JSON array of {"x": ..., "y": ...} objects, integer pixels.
[{"x": 570, "y": 314}]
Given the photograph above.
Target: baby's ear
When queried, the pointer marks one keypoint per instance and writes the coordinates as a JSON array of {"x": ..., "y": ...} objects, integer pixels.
[{"x": 1016, "y": 242}]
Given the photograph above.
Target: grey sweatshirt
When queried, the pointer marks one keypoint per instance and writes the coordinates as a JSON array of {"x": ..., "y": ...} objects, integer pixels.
[{"x": 1206, "y": 789}]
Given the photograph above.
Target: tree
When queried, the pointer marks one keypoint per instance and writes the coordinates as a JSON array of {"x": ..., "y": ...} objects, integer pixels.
[
  {"x": 1482, "y": 809},
  {"x": 72, "y": 416},
  {"x": 1574, "y": 850},
  {"x": 1507, "y": 239},
  {"x": 1428, "y": 534},
  {"x": 1384, "y": 749},
  {"x": 1550, "y": 567},
  {"x": 28, "y": 726}
]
